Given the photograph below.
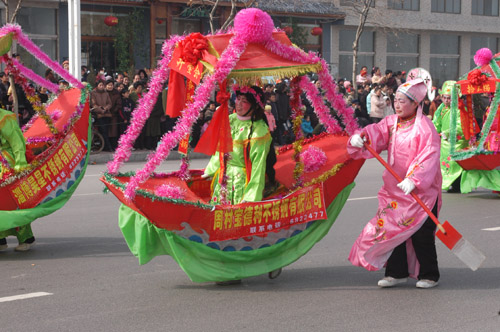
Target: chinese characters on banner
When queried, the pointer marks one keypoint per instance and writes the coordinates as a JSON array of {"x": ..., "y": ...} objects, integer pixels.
[
  {"x": 32, "y": 189},
  {"x": 468, "y": 88},
  {"x": 184, "y": 143},
  {"x": 248, "y": 219},
  {"x": 192, "y": 72}
]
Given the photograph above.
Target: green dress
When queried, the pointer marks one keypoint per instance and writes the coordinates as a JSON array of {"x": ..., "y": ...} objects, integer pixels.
[
  {"x": 12, "y": 143},
  {"x": 237, "y": 186},
  {"x": 13, "y": 149},
  {"x": 450, "y": 169}
]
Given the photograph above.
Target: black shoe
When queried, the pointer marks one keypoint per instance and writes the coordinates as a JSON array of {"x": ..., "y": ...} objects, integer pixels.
[{"x": 453, "y": 190}]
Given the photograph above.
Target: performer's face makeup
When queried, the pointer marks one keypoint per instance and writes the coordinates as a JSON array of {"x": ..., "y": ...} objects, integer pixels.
[
  {"x": 446, "y": 100},
  {"x": 243, "y": 106},
  {"x": 403, "y": 106}
]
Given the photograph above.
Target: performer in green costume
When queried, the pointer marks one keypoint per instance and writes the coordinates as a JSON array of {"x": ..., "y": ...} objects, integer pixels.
[
  {"x": 455, "y": 178},
  {"x": 450, "y": 169},
  {"x": 13, "y": 149},
  {"x": 246, "y": 168}
]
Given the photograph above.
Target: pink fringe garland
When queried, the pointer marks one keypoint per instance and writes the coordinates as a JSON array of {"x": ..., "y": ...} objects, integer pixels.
[
  {"x": 336, "y": 99},
  {"x": 25, "y": 42},
  {"x": 32, "y": 76},
  {"x": 331, "y": 124},
  {"x": 142, "y": 112},
  {"x": 170, "y": 191},
  {"x": 190, "y": 113}
]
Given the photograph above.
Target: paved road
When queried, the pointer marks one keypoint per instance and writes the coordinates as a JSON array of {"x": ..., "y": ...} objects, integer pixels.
[{"x": 95, "y": 284}]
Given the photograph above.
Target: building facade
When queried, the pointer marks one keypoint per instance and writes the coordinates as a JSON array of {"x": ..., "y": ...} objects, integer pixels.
[
  {"x": 153, "y": 21},
  {"x": 441, "y": 36}
]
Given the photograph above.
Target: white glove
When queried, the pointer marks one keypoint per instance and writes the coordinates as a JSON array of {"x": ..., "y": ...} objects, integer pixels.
[
  {"x": 357, "y": 141},
  {"x": 406, "y": 186},
  {"x": 206, "y": 176},
  {"x": 443, "y": 136}
]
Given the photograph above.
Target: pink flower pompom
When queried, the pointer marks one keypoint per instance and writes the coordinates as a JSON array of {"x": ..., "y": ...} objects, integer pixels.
[
  {"x": 56, "y": 115},
  {"x": 483, "y": 56},
  {"x": 170, "y": 191},
  {"x": 253, "y": 25},
  {"x": 313, "y": 158}
]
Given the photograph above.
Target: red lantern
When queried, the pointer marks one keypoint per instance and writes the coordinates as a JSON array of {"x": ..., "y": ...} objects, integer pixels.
[
  {"x": 316, "y": 31},
  {"x": 159, "y": 21},
  {"x": 288, "y": 30},
  {"x": 110, "y": 20}
]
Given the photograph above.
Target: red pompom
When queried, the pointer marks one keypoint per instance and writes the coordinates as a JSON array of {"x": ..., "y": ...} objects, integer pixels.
[
  {"x": 476, "y": 77},
  {"x": 192, "y": 47}
]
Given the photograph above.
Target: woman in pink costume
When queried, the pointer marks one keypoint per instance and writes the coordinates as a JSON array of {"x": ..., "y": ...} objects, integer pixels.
[{"x": 401, "y": 235}]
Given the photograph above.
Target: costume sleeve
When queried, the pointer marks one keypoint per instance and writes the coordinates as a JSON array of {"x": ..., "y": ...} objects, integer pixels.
[
  {"x": 14, "y": 137},
  {"x": 378, "y": 135},
  {"x": 437, "y": 120},
  {"x": 259, "y": 149},
  {"x": 213, "y": 165},
  {"x": 424, "y": 168}
]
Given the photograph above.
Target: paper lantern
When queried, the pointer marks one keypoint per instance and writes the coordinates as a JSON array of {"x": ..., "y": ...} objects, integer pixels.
[
  {"x": 110, "y": 20},
  {"x": 316, "y": 31},
  {"x": 288, "y": 30},
  {"x": 159, "y": 21}
]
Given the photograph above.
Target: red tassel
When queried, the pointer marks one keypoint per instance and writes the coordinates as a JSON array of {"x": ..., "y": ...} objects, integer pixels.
[{"x": 218, "y": 137}]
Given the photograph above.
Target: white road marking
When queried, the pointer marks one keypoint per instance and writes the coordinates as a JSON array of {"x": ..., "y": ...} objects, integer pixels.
[
  {"x": 91, "y": 194},
  {"x": 23, "y": 296},
  {"x": 361, "y": 198},
  {"x": 492, "y": 229}
]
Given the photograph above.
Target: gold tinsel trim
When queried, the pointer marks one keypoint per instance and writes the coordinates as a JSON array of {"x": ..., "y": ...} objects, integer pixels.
[
  {"x": 244, "y": 76},
  {"x": 323, "y": 177}
]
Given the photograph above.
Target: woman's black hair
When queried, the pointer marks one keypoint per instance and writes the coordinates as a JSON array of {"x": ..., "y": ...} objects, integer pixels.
[
  {"x": 142, "y": 71},
  {"x": 257, "y": 105},
  {"x": 258, "y": 114}
]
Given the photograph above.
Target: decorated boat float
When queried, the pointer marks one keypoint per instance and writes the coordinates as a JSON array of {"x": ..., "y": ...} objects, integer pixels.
[
  {"x": 171, "y": 213},
  {"x": 56, "y": 140},
  {"x": 480, "y": 160}
]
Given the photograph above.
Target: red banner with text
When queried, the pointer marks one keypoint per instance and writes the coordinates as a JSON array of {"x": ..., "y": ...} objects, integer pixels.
[
  {"x": 259, "y": 218},
  {"x": 47, "y": 177}
]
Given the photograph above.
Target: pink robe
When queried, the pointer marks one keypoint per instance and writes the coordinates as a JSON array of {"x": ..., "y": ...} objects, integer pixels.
[{"x": 415, "y": 155}]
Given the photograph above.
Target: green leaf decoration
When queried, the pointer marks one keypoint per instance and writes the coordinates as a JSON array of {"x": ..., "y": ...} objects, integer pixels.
[{"x": 5, "y": 43}]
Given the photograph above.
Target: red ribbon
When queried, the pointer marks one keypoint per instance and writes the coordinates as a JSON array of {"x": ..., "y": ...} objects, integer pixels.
[{"x": 218, "y": 137}]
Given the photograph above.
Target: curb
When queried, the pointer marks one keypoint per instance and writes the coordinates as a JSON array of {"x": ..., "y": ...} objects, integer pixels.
[{"x": 140, "y": 155}]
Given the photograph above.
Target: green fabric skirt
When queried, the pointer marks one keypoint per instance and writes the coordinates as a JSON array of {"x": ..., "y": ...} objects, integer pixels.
[{"x": 205, "y": 264}]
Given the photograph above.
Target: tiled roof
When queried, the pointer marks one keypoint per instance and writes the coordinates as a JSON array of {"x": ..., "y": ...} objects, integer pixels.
[{"x": 300, "y": 6}]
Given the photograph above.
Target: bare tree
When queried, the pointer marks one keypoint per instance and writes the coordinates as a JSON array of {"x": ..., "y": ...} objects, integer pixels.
[
  {"x": 360, "y": 8},
  {"x": 11, "y": 19},
  {"x": 214, "y": 5},
  {"x": 368, "y": 14}
]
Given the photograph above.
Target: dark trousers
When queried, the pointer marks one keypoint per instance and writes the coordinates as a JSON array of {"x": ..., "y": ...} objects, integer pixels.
[
  {"x": 103, "y": 124},
  {"x": 425, "y": 248}
]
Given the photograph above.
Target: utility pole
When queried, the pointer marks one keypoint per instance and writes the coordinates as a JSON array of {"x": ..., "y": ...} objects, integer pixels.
[{"x": 75, "y": 39}]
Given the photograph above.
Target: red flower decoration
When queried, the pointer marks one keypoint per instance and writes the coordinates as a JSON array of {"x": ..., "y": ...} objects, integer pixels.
[
  {"x": 192, "y": 47},
  {"x": 476, "y": 77}
]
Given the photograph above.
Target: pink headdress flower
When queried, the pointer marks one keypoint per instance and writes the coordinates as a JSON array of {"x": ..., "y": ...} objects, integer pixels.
[{"x": 248, "y": 89}]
